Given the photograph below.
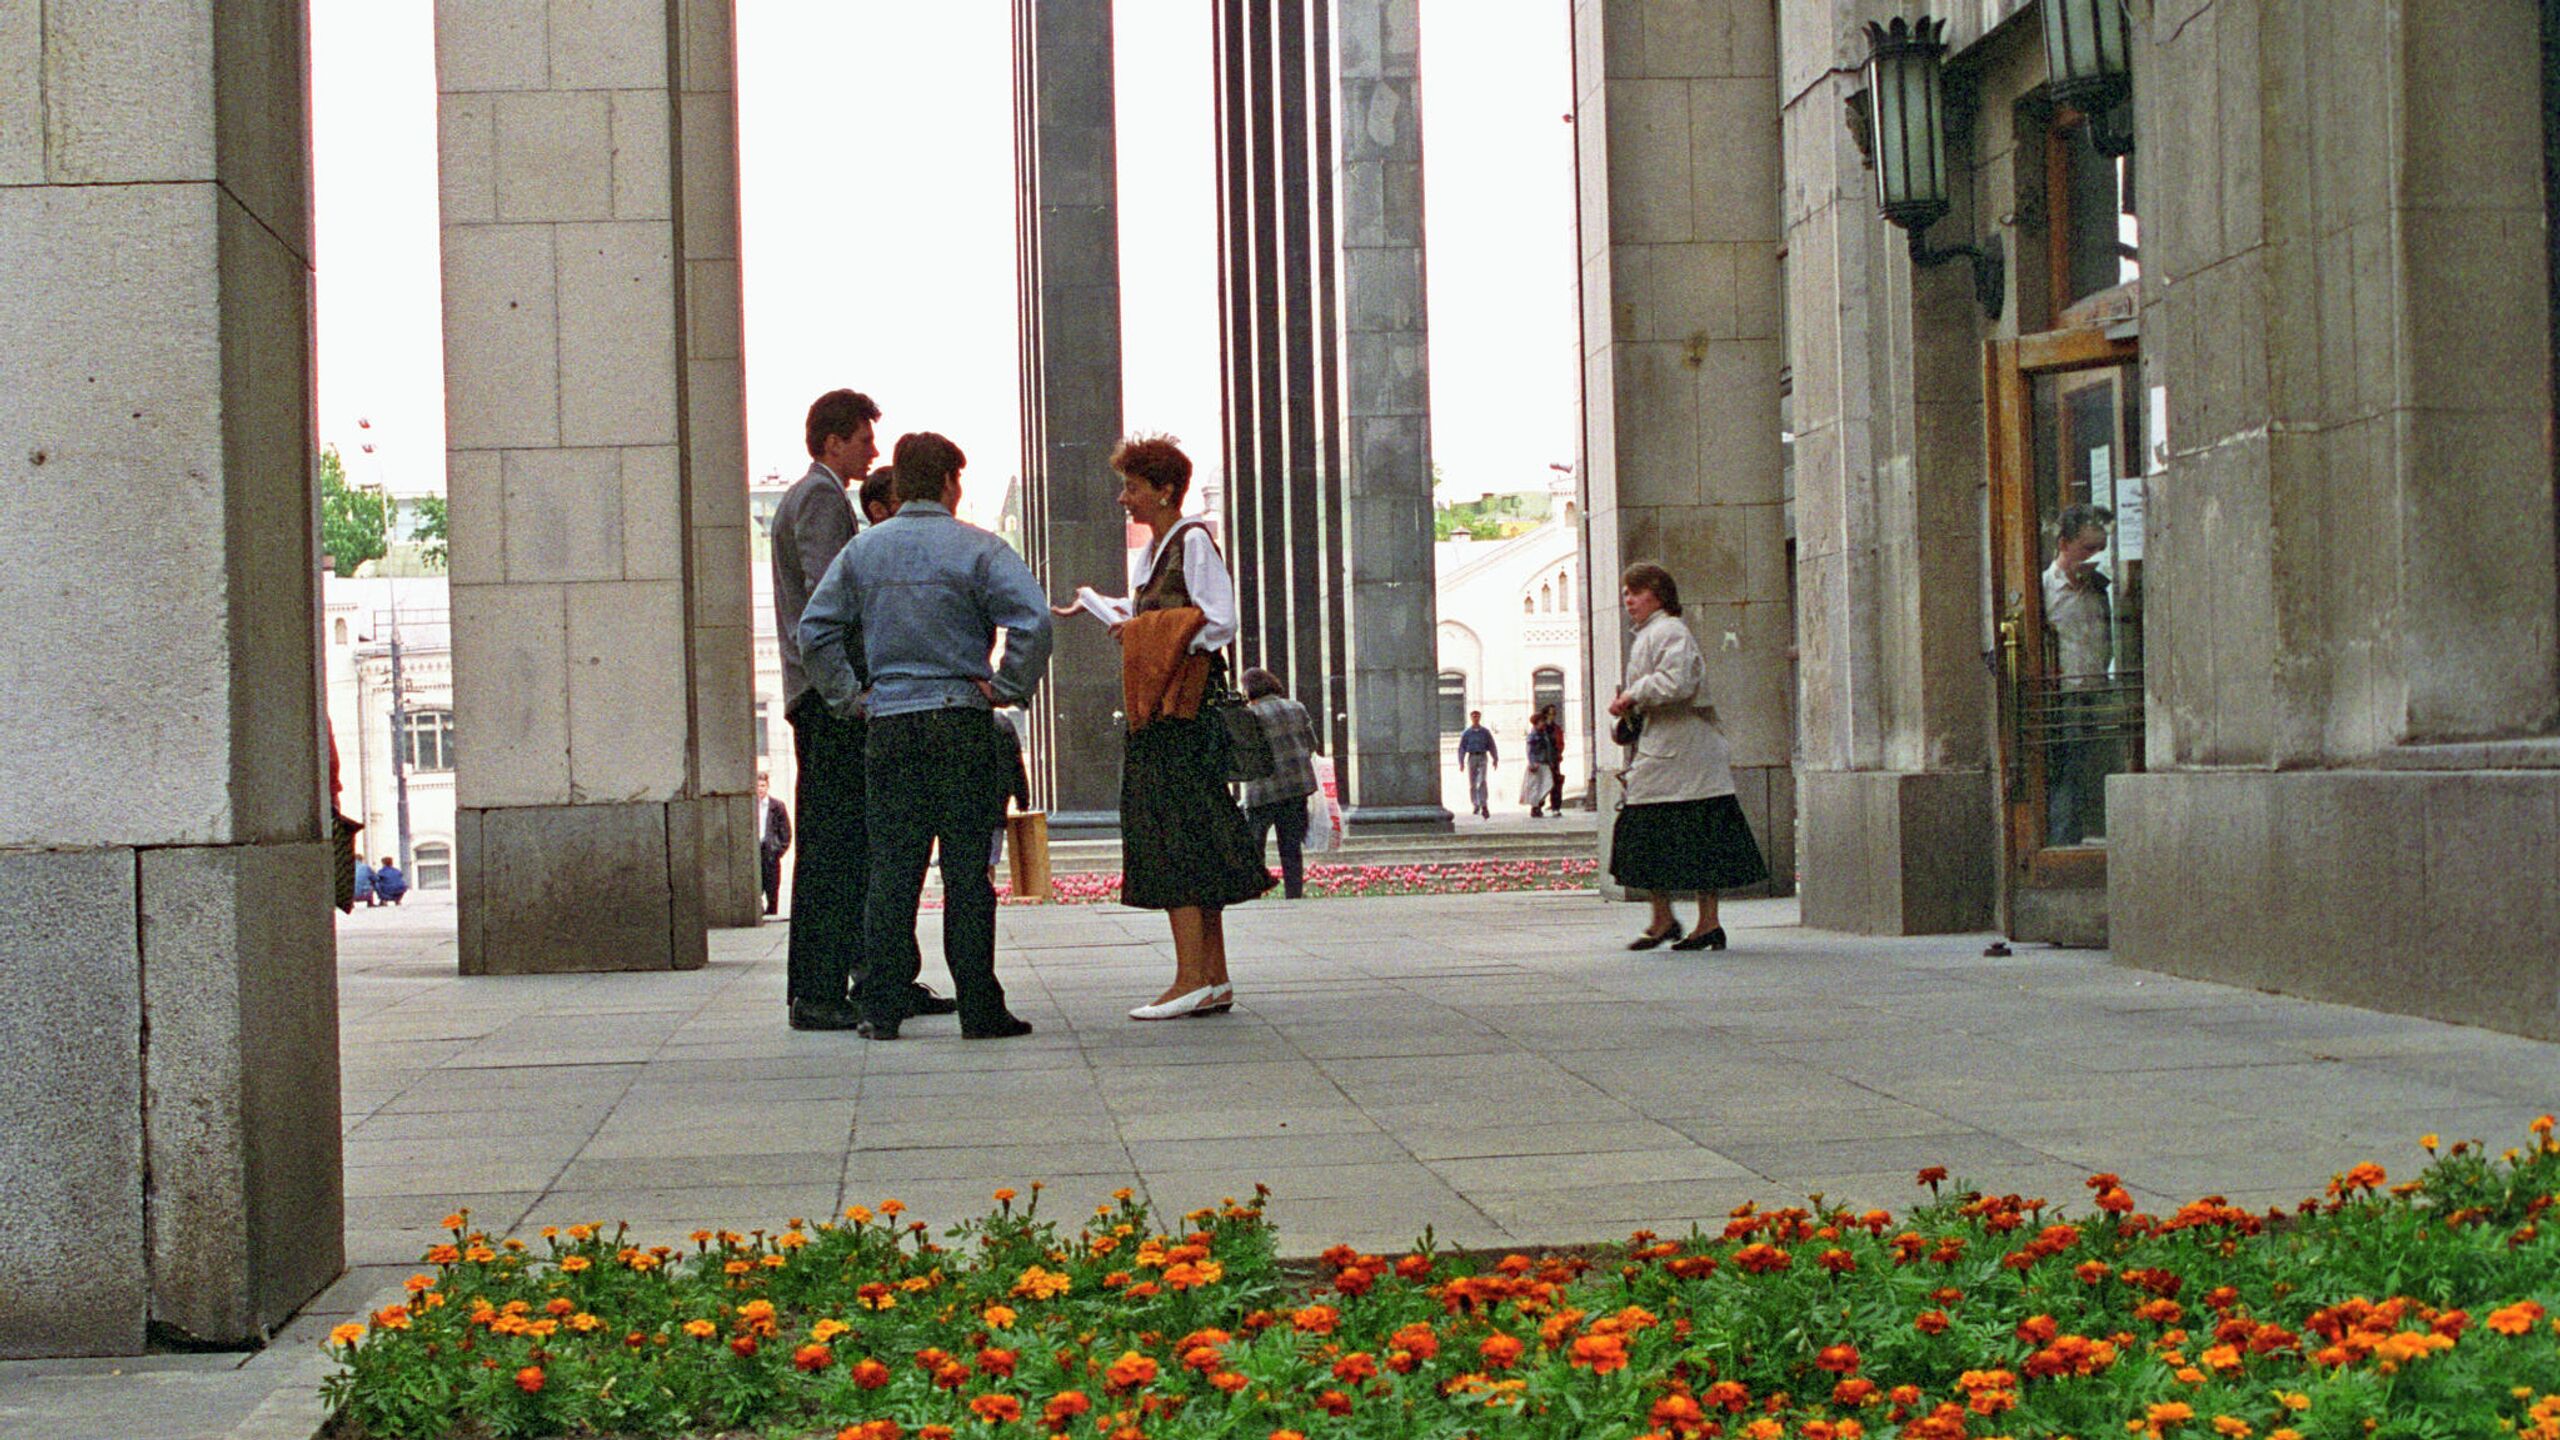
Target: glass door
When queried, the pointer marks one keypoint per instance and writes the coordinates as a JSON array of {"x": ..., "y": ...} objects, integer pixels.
[{"x": 2068, "y": 533}]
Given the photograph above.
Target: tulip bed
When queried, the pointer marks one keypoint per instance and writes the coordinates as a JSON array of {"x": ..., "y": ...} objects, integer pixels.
[
  {"x": 1347, "y": 882},
  {"x": 2416, "y": 1310}
]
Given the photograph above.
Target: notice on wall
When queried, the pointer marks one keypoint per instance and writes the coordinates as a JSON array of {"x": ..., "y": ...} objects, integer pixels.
[
  {"x": 2158, "y": 459},
  {"x": 2129, "y": 520}
]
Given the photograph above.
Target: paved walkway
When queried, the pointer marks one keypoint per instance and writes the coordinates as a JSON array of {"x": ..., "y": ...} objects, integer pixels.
[{"x": 1494, "y": 1069}]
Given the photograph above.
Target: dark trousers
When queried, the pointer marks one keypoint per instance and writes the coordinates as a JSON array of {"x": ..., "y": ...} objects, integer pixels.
[
  {"x": 1289, "y": 817},
  {"x": 831, "y": 872},
  {"x": 772, "y": 880},
  {"x": 937, "y": 775}
]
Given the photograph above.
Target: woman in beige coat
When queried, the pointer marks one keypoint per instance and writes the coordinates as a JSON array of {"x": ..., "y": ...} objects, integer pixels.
[{"x": 1680, "y": 830}]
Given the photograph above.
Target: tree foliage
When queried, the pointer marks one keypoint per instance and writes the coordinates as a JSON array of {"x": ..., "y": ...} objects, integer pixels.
[
  {"x": 355, "y": 523},
  {"x": 429, "y": 532}
]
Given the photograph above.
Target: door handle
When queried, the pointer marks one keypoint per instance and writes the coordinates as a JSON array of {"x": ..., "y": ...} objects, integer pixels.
[{"x": 2011, "y": 696}]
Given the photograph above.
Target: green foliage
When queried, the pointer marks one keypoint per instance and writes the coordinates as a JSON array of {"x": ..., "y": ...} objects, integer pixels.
[
  {"x": 355, "y": 523},
  {"x": 2375, "y": 1312},
  {"x": 430, "y": 533}
]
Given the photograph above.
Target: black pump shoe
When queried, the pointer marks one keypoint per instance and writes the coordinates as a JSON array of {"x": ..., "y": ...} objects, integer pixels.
[
  {"x": 1703, "y": 940},
  {"x": 1651, "y": 938}
]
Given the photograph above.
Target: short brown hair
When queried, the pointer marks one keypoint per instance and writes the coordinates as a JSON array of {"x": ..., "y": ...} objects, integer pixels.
[
  {"x": 1260, "y": 684},
  {"x": 1156, "y": 459},
  {"x": 879, "y": 488},
  {"x": 926, "y": 462},
  {"x": 838, "y": 412},
  {"x": 1656, "y": 582}
]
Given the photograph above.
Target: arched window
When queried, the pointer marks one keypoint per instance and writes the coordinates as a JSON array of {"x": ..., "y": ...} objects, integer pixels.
[
  {"x": 1546, "y": 599},
  {"x": 1453, "y": 701},
  {"x": 433, "y": 867},
  {"x": 1528, "y": 604},
  {"x": 1546, "y": 687},
  {"x": 338, "y": 630},
  {"x": 428, "y": 745},
  {"x": 1564, "y": 591}
]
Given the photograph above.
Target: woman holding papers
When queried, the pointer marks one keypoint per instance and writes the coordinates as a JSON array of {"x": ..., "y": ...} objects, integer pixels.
[{"x": 1185, "y": 847}]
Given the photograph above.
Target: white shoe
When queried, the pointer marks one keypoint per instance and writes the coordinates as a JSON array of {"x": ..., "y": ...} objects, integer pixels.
[
  {"x": 1177, "y": 1007},
  {"x": 1222, "y": 998}
]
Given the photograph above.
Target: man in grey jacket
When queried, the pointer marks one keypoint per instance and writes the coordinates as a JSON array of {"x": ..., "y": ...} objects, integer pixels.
[
  {"x": 833, "y": 866},
  {"x": 905, "y": 625}
]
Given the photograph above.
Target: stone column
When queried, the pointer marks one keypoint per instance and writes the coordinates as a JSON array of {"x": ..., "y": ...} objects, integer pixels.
[
  {"x": 1067, "y": 211},
  {"x": 168, "y": 987},
  {"x": 595, "y": 418},
  {"x": 1676, "y": 114},
  {"x": 1899, "y": 835},
  {"x": 1328, "y": 435},
  {"x": 2351, "y": 629}
]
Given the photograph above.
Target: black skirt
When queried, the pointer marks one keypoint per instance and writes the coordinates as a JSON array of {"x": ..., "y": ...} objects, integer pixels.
[
  {"x": 1183, "y": 842},
  {"x": 1684, "y": 846}
]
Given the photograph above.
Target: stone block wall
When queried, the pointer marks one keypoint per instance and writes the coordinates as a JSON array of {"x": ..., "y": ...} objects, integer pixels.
[
  {"x": 595, "y": 416},
  {"x": 164, "y": 928},
  {"x": 1676, "y": 119}
]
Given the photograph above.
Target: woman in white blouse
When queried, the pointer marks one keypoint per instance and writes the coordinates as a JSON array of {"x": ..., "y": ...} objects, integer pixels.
[
  {"x": 1680, "y": 831},
  {"x": 1185, "y": 847}
]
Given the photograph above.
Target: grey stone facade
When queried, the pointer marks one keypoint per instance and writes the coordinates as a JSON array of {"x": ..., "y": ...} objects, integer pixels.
[
  {"x": 168, "y": 1020},
  {"x": 596, "y": 423}
]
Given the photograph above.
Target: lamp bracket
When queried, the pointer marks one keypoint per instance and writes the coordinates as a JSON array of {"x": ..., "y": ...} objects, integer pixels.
[{"x": 1990, "y": 267}]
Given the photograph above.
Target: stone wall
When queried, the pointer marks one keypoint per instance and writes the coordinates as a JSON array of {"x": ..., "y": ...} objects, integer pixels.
[
  {"x": 1676, "y": 118},
  {"x": 595, "y": 418},
  {"x": 2353, "y": 538},
  {"x": 168, "y": 1001}
]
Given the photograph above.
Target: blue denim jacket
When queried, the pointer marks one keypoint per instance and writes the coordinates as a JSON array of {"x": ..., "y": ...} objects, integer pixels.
[{"x": 909, "y": 613}]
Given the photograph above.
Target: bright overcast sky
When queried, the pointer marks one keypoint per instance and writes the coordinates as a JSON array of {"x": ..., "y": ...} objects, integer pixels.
[{"x": 877, "y": 180}]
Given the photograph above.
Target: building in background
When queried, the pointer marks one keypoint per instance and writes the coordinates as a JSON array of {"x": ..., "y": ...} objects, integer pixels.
[{"x": 1508, "y": 571}]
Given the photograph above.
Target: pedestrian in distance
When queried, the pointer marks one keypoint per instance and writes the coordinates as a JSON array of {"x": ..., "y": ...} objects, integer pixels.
[
  {"x": 773, "y": 839},
  {"x": 1478, "y": 758},
  {"x": 1280, "y": 802},
  {"x": 831, "y": 873},
  {"x": 905, "y": 625},
  {"x": 1555, "y": 759},
  {"x": 1185, "y": 847},
  {"x": 364, "y": 882},
  {"x": 388, "y": 882},
  {"x": 1680, "y": 830},
  {"x": 1538, "y": 785}
]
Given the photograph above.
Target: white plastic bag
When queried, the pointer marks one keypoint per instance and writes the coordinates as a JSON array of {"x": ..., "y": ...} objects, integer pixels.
[{"x": 1324, "y": 811}]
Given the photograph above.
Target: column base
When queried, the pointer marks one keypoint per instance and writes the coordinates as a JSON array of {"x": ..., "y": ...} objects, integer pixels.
[
  {"x": 1398, "y": 820},
  {"x": 557, "y": 889},
  {"x": 2433, "y": 893},
  {"x": 1084, "y": 824},
  {"x": 1900, "y": 852}
]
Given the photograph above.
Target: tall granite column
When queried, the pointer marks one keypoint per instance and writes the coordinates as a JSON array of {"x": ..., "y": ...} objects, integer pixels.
[
  {"x": 168, "y": 987},
  {"x": 1067, "y": 216},
  {"x": 1676, "y": 115},
  {"x": 595, "y": 416},
  {"x": 1328, "y": 434}
]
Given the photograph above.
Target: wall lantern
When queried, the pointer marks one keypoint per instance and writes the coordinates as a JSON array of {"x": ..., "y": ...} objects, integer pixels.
[
  {"x": 2088, "y": 55},
  {"x": 1906, "y": 127}
]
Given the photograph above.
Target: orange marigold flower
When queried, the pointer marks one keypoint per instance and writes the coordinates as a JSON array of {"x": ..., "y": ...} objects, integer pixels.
[
  {"x": 2169, "y": 1412},
  {"x": 1063, "y": 1408},
  {"x": 870, "y": 1374},
  {"x": 529, "y": 1379},
  {"x": 1316, "y": 1319},
  {"x": 1838, "y": 1359},
  {"x": 1930, "y": 1322},
  {"x": 1130, "y": 1371},
  {"x": 996, "y": 1409},
  {"x": 1676, "y": 1412},
  {"x": 1600, "y": 1354},
  {"x": 1933, "y": 1175},
  {"x": 1726, "y": 1395},
  {"x": 1333, "y": 1402},
  {"x": 2515, "y": 1319},
  {"x": 345, "y": 1335},
  {"x": 2232, "y": 1426},
  {"x": 743, "y": 1346},
  {"x": 1355, "y": 1367},
  {"x": 1500, "y": 1352},
  {"x": 1856, "y": 1390},
  {"x": 2114, "y": 1200},
  {"x": 997, "y": 1362}
]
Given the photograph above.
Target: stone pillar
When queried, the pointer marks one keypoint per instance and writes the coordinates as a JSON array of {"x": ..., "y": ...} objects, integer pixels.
[
  {"x": 595, "y": 417},
  {"x": 1067, "y": 211},
  {"x": 1676, "y": 115},
  {"x": 1899, "y": 834},
  {"x": 1328, "y": 435},
  {"x": 2351, "y": 629},
  {"x": 168, "y": 987}
]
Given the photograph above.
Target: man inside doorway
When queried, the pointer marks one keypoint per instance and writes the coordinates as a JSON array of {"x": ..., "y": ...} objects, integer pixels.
[
  {"x": 1478, "y": 758},
  {"x": 830, "y": 877},
  {"x": 2081, "y": 652}
]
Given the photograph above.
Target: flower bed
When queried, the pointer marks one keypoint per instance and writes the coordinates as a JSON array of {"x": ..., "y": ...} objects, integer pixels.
[
  {"x": 2416, "y": 1310},
  {"x": 1347, "y": 882}
]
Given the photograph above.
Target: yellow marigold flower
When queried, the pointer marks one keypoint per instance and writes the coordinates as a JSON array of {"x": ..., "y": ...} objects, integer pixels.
[
  {"x": 825, "y": 1331},
  {"x": 457, "y": 1219},
  {"x": 701, "y": 1329},
  {"x": 2223, "y": 1357},
  {"x": 1038, "y": 1284},
  {"x": 998, "y": 1317},
  {"x": 2293, "y": 1400},
  {"x": 345, "y": 1336},
  {"x": 2428, "y": 1142},
  {"x": 585, "y": 1323},
  {"x": 2232, "y": 1426},
  {"x": 575, "y": 1263}
]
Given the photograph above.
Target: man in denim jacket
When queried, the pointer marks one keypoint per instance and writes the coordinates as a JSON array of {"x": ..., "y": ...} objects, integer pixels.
[{"x": 904, "y": 625}]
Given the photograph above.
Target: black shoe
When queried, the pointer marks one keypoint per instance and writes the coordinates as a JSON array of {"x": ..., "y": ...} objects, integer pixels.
[
  {"x": 922, "y": 1001},
  {"x": 1004, "y": 1029},
  {"x": 1703, "y": 940},
  {"x": 1652, "y": 938},
  {"x": 877, "y": 1029},
  {"x": 820, "y": 1015}
]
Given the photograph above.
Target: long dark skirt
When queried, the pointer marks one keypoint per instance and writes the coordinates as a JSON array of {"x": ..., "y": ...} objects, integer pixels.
[
  {"x": 1183, "y": 842},
  {"x": 1684, "y": 846}
]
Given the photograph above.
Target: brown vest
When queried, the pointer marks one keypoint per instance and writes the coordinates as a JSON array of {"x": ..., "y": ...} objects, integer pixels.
[{"x": 1166, "y": 589}]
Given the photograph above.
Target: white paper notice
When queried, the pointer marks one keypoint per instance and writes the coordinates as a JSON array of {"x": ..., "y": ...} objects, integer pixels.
[{"x": 2159, "y": 457}]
